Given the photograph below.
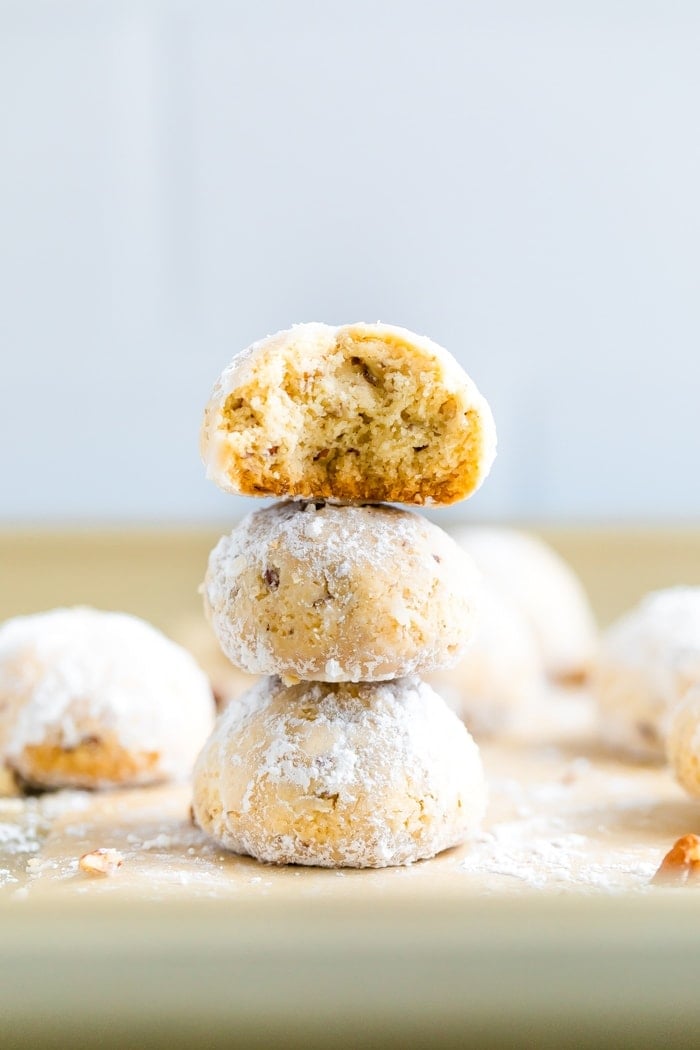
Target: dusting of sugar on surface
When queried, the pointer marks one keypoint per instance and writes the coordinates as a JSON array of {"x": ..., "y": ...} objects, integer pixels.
[{"x": 564, "y": 816}]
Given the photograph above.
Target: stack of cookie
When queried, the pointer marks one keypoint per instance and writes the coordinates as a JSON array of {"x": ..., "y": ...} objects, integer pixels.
[{"x": 342, "y": 756}]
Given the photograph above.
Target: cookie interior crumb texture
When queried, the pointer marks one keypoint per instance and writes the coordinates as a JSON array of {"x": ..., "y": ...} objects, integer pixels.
[
  {"x": 358, "y": 413},
  {"x": 339, "y": 775}
]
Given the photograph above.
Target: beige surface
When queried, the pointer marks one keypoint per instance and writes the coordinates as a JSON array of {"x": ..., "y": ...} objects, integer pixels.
[
  {"x": 563, "y": 816},
  {"x": 545, "y": 925},
  {"x": 545, "y": 929}
]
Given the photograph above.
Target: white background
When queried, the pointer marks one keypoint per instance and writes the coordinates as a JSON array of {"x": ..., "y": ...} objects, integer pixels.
[{"x": 520, "y": 181}]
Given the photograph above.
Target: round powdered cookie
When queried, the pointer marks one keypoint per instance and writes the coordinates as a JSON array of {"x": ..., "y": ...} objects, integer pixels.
[
  {"x": 535, "y": 579},
  {"x": 365, "y": 413},
  {"x": 335, "y": 594},
  {"x": 648, "y": 661},
  {"x": 499, "y": 680},
  {"x": 351, "y": 775},
  {"x": 683, "y": 744},
  {"x": 91, "y": 699},
  {"x": 227, "y": 681}
]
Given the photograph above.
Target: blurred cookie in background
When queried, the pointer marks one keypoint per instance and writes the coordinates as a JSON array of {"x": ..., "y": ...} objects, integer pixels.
[
  {"x": 227, "y": 682},
  {"x": 649, "y": 660},
  {"x": 499, "y": 681},
  {"x": 533, "y": 578},
  {"x": 92, "y": 699}
]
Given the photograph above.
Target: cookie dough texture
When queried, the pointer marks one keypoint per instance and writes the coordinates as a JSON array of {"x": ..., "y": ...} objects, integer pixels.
[
  {"x": 93, "y": 699},
  {"x": 649, "y": 659},
  {"x": 334, "y": 594},
  {"x": 499, "y": 681},
  {"x": 344, "y": 775},
  {"x": 542, "y": 586},
  {"x": 364, "y": 413},
  {"x": 683, "y": 744}
]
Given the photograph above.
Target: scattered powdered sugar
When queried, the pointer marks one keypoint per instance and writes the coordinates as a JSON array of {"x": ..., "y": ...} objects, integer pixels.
[
  {"x": 558, "y": 820},
  {"x": 516, "y": 851},
  {"x": 565, "y": 822},
  {"x": 24, "y": 826}
]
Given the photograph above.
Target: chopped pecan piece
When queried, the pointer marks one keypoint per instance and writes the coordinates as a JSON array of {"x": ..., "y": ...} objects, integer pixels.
[
  {"x": 101, "y": 862},
  {"x": 681, "y": 864}
]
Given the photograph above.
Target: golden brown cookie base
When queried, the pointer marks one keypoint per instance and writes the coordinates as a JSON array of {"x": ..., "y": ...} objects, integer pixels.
[
  {"x": 94, "y": 763},
  {"x": 348, "y": 475},
  {"x": 572, "y": 679}
]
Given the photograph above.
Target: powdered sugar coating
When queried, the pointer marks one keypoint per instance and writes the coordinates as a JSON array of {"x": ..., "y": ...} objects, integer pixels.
[
  {"x": 349, "y": 775},
  {"x": 649, "y": 659},
  {"x": 499, "y": 681},
  {"x": 328, "y": 593},
  {"x": 81, "y": 678},
  {"x": 534, "y": 578}
]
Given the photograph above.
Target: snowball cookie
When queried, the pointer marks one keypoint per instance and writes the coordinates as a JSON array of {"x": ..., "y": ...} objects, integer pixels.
[
  {"x": 535, "y": 579},
  {"x": 365, "y": 412},
  {"x": 351, "y": 775},
  {"x": 683, "y": 744},
  {"x": 91, "y": 699},
  {"x": 499, "y": 680},
  {"x": 648, "y": 661},
  {"x": 227, "y": 682},
  {"x": 336, "y": 594}
]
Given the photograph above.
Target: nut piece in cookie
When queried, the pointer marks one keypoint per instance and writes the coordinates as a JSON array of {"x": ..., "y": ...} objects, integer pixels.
[{"x": 360, "y": 413}]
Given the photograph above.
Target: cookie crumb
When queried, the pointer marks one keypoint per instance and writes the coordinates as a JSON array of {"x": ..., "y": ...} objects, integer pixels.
[
  {"x": 681, "y": 865},
  {"x": 101, "y": 862}
]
